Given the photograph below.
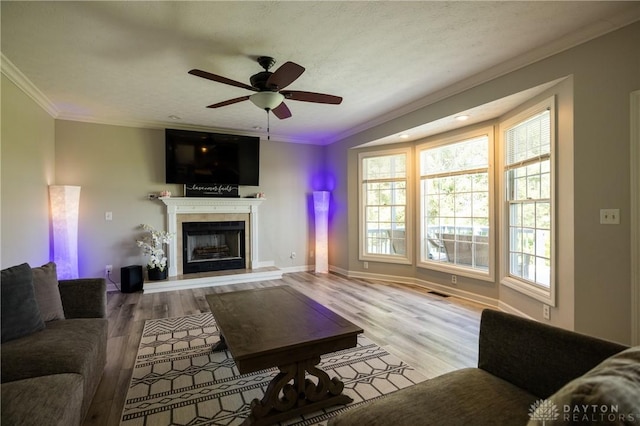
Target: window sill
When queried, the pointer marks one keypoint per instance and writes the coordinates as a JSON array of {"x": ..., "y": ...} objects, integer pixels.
[
  {"x": 458, "y": 270},
  {"x": 386, "y": 259},
  {"x": 540, "y": 294}
]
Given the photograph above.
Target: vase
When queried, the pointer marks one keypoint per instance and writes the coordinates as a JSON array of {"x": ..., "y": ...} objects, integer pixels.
[{"x": 155, "y": 274}]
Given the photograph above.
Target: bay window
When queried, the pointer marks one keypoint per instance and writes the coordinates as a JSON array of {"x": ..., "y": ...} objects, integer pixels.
[
  {"x": 455, "y": 204},
  {"x": 384, "y": 231},
  {"x": 528, "y": 165}
]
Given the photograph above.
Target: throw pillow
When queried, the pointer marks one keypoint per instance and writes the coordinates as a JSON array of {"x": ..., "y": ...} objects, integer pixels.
[
  {"x": 607, "y": 394},
  {"x": 20, "y": 313},
  {"x": 45, "y": 284}
]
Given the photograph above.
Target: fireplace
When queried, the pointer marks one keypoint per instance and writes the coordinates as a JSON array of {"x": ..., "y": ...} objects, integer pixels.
[
  {"x": 195, "y": 209},
  {"x": 213, "y": 246}
]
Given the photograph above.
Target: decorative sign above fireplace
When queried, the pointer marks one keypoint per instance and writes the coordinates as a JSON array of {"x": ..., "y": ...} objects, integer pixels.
[{"x": 211, "y": 190}]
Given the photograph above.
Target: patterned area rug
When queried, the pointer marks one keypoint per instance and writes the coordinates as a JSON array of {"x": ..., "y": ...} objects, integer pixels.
[{"x": 177, "y": 380}]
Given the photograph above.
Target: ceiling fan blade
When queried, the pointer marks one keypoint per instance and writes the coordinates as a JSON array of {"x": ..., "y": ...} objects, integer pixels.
[
  {"x": 285, "y": 75},
  {"x": 229, "y": 102},
  {"x": 281, "y": 111},
  {"x": 321, "y": 98},
  {"x": 220, "y": 79}
]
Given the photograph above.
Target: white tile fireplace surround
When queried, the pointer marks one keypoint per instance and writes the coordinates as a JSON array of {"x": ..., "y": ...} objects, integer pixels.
[{"x": 193, "y": 209}]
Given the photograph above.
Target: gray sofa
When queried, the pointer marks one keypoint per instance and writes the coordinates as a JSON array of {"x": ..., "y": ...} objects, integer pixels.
[
  {"x": 51, "y": 366},
  {"x": 521, "y": 364}
]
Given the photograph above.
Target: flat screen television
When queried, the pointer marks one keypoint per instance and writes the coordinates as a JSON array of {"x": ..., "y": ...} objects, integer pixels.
[{"x": 202, "y": 157}]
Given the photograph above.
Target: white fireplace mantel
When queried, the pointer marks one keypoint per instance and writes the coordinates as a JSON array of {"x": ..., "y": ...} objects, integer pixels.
[{"x": 193, "y": 205}]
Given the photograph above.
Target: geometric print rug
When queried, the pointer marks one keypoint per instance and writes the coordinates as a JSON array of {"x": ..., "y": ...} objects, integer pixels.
[{"x": 178, "y": 381}]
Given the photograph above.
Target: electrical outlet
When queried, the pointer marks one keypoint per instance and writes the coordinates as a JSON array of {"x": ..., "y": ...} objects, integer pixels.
[
  {"x": 366, "y": 265},
  {"x": 546, "y": 314},
  {"x": 454, "y": 279},
  {"x": 108, "y": 269},
  {"x": 292, "y": 255},
  {"x": 610, "y": 216}
]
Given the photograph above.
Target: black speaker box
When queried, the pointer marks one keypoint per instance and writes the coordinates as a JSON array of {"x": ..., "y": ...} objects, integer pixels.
[{"x": 131, "y": 277}]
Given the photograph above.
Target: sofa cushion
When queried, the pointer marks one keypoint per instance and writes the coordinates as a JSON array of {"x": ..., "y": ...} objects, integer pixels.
[
  {"x": 69, "y": 346},
  {"x": 615, "y": 382},
  {"x": 45, "y": 284},
  {"x": 47, "y": 400},
  {"x": 20, "y": 313},
  {"x": 469, "y": 396}
]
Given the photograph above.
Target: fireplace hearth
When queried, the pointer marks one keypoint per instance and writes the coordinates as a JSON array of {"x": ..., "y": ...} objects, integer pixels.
[{"x": 213, "y": 246}]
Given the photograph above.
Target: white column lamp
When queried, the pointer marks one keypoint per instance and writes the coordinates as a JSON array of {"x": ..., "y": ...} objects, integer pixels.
[
  {"x": 321, "y": 209},
  {"x": 65, "y": 203}
]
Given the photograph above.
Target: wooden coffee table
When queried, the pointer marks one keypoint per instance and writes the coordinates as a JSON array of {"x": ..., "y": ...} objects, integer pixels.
[{"x": 280, "y": 327}]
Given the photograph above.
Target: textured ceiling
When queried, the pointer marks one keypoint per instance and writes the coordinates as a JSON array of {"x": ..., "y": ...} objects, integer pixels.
[{"x": 126, "y": 62}]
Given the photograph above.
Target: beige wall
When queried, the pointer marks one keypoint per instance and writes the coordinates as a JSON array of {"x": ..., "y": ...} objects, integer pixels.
[
  {"x": 594, "y": 283},
  {"x": 27, "y": 156},
  {"x": 602, "y": 176},
  {"x": 118, "y": 166}
]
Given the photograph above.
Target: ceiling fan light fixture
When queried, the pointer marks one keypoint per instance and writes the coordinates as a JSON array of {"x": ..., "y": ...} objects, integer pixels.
[{"x": 266, "y": 100}]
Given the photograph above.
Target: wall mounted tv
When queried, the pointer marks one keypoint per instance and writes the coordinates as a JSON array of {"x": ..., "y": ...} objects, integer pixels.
[{"x": 201, "y": 157}]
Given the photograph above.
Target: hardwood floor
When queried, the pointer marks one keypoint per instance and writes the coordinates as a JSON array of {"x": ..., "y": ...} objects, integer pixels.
[{"x": 434, "y": 334}]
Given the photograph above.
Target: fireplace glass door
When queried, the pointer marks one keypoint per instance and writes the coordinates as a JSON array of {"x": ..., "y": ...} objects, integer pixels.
[{"x": 213, "y": 246}]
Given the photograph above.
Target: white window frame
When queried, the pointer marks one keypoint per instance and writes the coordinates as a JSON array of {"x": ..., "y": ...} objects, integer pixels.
[
  {"x": 423, "y": 261},
  {"x": 407, "y": 259},
  {"x": 526, "y": 287}
]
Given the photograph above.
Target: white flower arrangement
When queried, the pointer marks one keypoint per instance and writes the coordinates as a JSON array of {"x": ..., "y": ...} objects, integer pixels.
[{"x": 152, "y": 244}]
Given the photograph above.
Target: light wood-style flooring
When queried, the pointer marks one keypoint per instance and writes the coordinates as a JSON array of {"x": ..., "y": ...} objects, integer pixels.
[{"x": 434, "y": 334}]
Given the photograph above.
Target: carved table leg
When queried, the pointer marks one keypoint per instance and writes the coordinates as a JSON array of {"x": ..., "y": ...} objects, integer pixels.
[
  {"x": 303, "y": 396},
  {"x": 220, "y": 346}
]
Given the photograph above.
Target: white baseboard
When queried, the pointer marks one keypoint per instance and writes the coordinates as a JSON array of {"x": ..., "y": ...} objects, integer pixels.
[
  {"x": 113, "y": 287},
  {"x": 264, "y": 264},
  {"x": 461, "y": 294},
  {"x": 504, "y": 307},
  {"x": 292, "y": 269},
  {"x": 380, "y": 277}
]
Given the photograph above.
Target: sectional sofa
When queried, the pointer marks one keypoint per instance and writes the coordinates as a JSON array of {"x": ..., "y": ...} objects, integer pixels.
[
  {"x": 54, "y": 345},
  {"x": 528, "y": 373}
]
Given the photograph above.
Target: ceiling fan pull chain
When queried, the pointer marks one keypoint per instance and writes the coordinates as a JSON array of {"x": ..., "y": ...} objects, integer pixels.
[{"x": 268, "y": 135}]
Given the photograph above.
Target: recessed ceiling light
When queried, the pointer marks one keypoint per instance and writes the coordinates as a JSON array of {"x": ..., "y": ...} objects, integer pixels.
[
  {"x": 404, "y": 136},
  {"x": 175, "y": 117},
  {"x": 462, "y": 117}
]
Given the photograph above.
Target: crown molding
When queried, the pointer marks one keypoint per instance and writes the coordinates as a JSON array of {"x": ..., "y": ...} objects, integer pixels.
[
  {"x": 23, "y": 83},
  {"x": 19, "y": 79},
  {"x": 161, "y": 125},
  {"x": 557, "y": 46}
]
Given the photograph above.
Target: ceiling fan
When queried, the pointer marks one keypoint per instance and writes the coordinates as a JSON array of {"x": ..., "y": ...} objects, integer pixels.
[{"x": 268, "y": 87}]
